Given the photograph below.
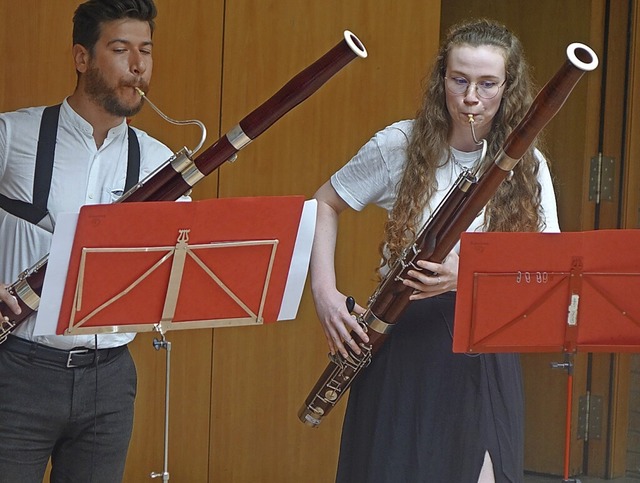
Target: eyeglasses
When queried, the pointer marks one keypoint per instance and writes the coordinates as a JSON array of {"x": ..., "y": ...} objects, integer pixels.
[{"x": 486, "y": 89}]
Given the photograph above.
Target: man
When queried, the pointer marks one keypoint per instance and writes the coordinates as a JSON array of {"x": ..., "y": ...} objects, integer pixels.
[{"x": 81, "y": 416}]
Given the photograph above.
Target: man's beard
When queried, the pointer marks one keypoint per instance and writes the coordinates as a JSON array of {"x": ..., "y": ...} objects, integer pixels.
[{"x": 107, "y": 97}]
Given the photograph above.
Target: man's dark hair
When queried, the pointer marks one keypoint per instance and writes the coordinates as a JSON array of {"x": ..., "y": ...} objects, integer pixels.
[{"x": 90, "y": 15}]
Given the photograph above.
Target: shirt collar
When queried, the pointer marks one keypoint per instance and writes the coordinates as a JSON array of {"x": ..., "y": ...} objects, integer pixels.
[{"x": 81, "y": 124}]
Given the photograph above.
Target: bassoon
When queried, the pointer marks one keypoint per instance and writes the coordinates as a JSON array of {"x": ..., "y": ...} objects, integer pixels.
[
  {"x": 440, "y": 233},
  {"x": 182, "y": 171}
]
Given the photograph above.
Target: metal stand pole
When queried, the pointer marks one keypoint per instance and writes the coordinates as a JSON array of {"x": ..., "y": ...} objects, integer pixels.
[
  {"x": 157, "y": 345},
  {"x": 568, "y": 365}
]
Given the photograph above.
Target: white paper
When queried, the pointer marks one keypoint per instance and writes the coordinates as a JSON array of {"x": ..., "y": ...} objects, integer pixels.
[
  {"x": 56, "y": 275},
  {"x": 299, "y": 262}
]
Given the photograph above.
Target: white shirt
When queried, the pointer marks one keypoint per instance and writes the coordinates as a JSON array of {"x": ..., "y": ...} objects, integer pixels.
[
  {"x": 83, "y": 174},
  {"x": 374, "y": 173}
]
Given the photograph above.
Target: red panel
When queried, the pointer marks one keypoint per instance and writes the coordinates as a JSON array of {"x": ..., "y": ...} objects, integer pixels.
[
  {"x": 515, "y": 292},
  {"x": 229, "y": 248}
]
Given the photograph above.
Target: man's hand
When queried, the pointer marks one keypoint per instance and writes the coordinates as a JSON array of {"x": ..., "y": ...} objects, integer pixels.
[{"x": 10, "y": 300}]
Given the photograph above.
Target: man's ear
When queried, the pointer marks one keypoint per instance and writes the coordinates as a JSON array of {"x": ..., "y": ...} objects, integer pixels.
[{"x": 80, "y": 58}]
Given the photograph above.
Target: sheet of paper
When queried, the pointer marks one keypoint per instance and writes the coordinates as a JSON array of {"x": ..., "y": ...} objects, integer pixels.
[
  {"x": 299, "y": 262},
  {"x": 56, "y": 275}
]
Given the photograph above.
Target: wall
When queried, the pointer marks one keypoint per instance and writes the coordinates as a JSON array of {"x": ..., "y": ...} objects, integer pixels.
[
  {"x": 631, "y": 219},
  {"x": 235, "y": 392}
]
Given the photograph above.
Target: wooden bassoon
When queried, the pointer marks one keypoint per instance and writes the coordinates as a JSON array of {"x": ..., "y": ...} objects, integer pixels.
[
  {"x": 182, "y": 171},
  {"x": 438, "y": 236}
]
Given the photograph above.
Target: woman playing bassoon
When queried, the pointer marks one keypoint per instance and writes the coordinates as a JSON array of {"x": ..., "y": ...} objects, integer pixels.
[{"x": 419, "y": 412}]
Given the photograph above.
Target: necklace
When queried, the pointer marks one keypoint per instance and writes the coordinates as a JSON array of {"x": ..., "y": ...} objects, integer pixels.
[
  {"x": 458, "y": 163},
  {"x": 465, "y": 156}
]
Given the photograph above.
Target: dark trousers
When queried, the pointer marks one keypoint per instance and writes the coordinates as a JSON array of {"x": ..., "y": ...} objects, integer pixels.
[{"x": 80, "y": 417}]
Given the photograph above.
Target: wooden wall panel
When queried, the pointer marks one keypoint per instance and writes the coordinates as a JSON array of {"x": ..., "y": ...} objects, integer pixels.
[
  {"x": 609, "y": 375},
  {"x": 632, "y": 182},
  {"x": 263, "y": 374},
  {"x": 35, "y": 42},
  {"x": 185, "y": 85},
  {"x": 35, "y": 47},
  {"x": 624, "y": 441}
]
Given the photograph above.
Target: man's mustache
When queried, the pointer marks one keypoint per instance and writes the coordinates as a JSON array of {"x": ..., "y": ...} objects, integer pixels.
[{"x": 139, "y": 83}]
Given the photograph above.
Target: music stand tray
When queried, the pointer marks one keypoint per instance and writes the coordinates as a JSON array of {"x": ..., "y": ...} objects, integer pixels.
[
  {"x": 549, "y": 292},
  {"x": 162, "y": 266}
]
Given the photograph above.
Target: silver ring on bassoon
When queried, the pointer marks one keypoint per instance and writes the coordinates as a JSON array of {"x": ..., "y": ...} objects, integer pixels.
[
  {"x": 238, "y": 138},
  {"x": 27, "y": 295},
  {"x": 374, "y": 323}
]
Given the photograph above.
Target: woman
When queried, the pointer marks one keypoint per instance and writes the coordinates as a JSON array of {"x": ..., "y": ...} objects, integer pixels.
[{"x": 420, "y": 413}]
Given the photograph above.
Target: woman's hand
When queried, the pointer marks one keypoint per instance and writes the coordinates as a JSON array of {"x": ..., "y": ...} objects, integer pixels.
[
  {"x": 434, "y": 278},
  {"x": 338, "y": 323},
  {"x": 331, "y": 307}
]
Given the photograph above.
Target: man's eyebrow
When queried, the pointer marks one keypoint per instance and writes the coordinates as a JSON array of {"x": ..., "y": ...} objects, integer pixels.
[{"x": 128, "y": 42}]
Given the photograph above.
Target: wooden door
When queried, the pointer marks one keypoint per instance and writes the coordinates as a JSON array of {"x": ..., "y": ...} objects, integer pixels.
[
  {"x": 613, "y": 205},
  {"x": 627, "y": 389},
  {"x": 571, "y": 139}
]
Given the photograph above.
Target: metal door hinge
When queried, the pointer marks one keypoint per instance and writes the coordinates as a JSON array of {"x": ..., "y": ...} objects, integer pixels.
[
  {"x": 590, "y": 417},
  {"x": 601, "y": 178}
]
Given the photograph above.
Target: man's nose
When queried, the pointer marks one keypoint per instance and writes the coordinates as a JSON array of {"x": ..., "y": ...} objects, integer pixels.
[{"x": 138, "y": 64}]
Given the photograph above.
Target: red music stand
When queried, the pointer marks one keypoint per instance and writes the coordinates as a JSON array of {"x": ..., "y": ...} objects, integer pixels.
[
  {"x": 549, "y": 292},
  {"x": 160, "y": 266}
]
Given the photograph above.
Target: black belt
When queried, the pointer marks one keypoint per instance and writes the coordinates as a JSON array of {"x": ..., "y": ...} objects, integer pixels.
[{"x": 78, "y": 357}]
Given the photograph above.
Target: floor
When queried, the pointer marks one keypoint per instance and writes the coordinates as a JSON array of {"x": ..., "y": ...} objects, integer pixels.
[{"x": 581, "y": 479}]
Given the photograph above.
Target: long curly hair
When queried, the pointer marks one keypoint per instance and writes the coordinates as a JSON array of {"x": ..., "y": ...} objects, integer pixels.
[{"x": 516, "y": 204}]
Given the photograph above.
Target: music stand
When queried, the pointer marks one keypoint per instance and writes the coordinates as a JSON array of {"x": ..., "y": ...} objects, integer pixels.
[
  {"x": 549, "y": 292},
  {"x": 160, "y": 266}
]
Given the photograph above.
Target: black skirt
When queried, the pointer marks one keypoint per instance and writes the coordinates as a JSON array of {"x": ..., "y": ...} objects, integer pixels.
[{"x": 420, "y": 413}]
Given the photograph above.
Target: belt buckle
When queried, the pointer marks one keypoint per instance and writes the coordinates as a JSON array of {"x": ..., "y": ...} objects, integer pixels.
[{"x": 72, "y": 353}]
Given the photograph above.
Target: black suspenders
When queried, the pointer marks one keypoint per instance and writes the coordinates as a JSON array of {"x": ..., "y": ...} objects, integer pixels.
[
  {"x": 36, "y": 211},
  {"x": 133, "y": 161}
]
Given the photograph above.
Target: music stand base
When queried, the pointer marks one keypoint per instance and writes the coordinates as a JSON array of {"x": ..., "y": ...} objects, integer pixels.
[
  {"x": 158, "y": 344},
  {"x": 568, "y": 366}
]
